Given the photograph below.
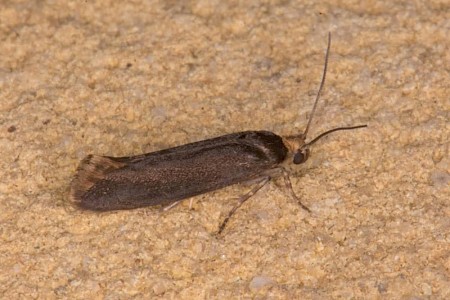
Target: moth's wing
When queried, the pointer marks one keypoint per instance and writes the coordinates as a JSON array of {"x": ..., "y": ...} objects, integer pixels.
[
  {"x": 107, "y": 183},
  {"x": 94, "y": 168}
]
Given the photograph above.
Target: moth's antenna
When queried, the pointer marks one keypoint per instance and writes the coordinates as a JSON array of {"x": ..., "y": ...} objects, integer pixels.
[
  {"x": 330, "y": 131},
  {"x": 321, "y": 86},
  {"x": 302, "y": 153}
]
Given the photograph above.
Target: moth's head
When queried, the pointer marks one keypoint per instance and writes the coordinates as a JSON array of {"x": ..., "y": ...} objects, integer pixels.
[
  {"x": 301, "y": 155},
  {"x": 298, "y": 148}
]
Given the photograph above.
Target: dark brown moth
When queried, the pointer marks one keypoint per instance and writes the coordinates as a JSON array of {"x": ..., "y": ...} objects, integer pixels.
[{"x": 166, "y": 177}]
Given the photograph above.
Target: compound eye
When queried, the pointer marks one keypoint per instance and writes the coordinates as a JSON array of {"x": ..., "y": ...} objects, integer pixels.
[{"x": 301, "y": 156}]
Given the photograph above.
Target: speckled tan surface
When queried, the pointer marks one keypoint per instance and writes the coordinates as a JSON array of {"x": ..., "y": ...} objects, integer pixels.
[{"x": 80, "y": 77}]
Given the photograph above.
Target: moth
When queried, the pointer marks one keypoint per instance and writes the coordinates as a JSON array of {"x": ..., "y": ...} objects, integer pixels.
[{"x": 167, "y": 177}]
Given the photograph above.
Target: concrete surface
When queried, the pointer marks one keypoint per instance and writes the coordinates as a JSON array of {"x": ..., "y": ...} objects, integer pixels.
[{"x": 124, "y": 78}]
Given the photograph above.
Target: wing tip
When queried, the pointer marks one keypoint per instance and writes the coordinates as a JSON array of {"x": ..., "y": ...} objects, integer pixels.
[{"x": 91, "y": 169}]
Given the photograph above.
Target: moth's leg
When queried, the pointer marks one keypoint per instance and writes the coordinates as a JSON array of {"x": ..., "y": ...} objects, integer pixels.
[
  {"x": 242, "y": 199},
  {"x": 276, "y": 172},
  {"x": 171, "y": 205}
]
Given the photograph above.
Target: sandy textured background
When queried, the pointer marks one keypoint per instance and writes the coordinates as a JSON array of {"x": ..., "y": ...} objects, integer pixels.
[{"x": 105, "y": 77}]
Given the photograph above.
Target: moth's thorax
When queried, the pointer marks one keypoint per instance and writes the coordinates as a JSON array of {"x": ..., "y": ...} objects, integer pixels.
[{"x": 298, "y": 151}]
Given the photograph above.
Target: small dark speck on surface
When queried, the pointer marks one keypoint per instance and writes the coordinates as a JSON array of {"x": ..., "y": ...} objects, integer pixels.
[
  {"x": 12, "y": 128},
  {"x": 382, "y": 288}
]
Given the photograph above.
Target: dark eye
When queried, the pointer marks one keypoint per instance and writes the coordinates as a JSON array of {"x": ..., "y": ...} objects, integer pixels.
[{"x": 301, "y": 156}]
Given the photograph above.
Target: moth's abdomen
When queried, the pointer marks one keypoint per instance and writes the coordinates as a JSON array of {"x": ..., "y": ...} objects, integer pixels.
[{"x": 176, "y": 173}]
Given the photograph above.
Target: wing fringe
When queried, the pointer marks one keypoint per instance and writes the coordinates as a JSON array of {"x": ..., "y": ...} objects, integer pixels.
[{"x": 92, "y": 169}]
